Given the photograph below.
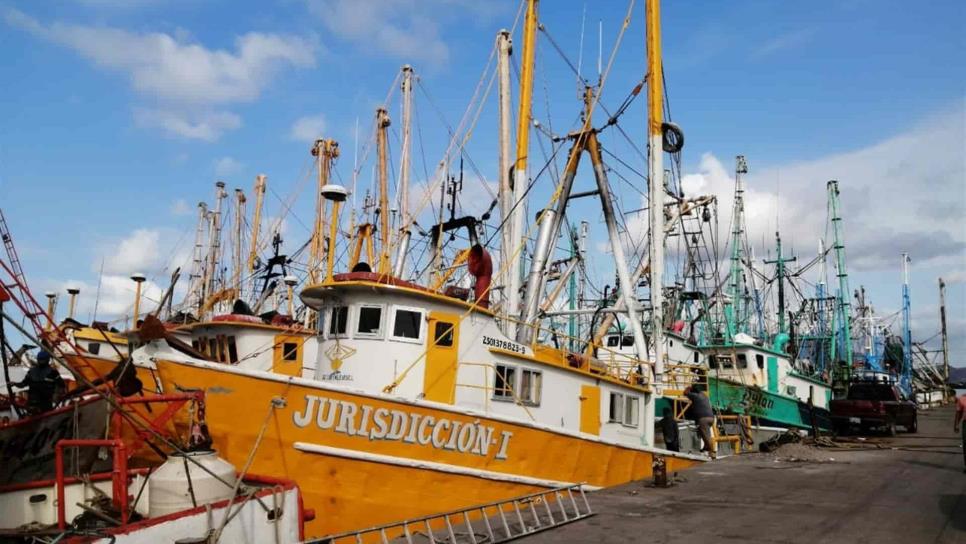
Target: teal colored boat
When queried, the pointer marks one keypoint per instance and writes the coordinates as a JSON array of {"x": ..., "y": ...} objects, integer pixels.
[{"x": 766, "y": 408}]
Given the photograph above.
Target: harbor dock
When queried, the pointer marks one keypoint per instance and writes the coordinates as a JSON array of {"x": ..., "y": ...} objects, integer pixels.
[{"x": 911, "y": 488}]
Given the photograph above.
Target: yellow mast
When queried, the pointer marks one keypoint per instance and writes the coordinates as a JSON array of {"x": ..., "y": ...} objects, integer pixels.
[
  {"x": 324, "y": 151},
  {"x": 382, "y": 124},
  {"x": 524, "y": 119},
  {"x": 655, "y": 176},
  {"x": 259, "y": 191}
]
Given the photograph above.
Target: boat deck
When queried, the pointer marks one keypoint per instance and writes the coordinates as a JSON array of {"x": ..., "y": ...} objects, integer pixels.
[{"x": 911, "y": 488}]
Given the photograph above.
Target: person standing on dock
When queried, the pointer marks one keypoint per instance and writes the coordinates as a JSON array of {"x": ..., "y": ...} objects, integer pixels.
[
  {"x": 960, "y": 423},
  {"x": 669, "y": 428},
  {"x": 701, "y": 413}
]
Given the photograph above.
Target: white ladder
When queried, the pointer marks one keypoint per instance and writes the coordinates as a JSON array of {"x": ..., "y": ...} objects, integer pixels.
[{"x": 495, "y": 522}]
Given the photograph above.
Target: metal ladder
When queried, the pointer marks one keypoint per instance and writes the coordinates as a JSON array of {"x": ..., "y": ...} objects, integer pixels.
[
  {"x": 495, "y": 522},
  {"x": 14, "y": 282}
]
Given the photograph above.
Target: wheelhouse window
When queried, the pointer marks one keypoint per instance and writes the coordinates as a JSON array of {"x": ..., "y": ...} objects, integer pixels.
[
  {"x": 626, "y": 341},
  {"x": 290, "y": 351},
  {"x": 612, "y": 341},
  {"x": 631, "y": 411},
  {"x": 504, "y": 381},
  {"x": 232, "y": 350},
  {"x": 370, "y": 321},
  {"x": 443, "y": 334},
  {"x": 712, "y": 361},
  {"x": 760, "y": 360},
  {"x": 742, "y": 360},
  {"x": 338, "y": 320},
  {"x": 696, "y": 357},
  {"x": 624, "y": 409},
  {"x": 616, "y": 412},
  {"x": 531, "y": 382},
  {"x": 93, "y": 348},
  {"x": 408, "y": 324}
]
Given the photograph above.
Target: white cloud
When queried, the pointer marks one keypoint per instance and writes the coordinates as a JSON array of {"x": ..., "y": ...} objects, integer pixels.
[
  {"x": 308, "y": 128},
  {"x": 905, "y": 193},
  {"x": 180, "y": 207},
  {"x": 407, "y": 29},
  {"x": 114, "y": 301},
  {"x": 185, "y": 77},
  {"x": 207, "y": 126},
  {"x": 954, "y": 277},
  {"x": 139, "y": 252},
  {"x": 227, "y": 166}
]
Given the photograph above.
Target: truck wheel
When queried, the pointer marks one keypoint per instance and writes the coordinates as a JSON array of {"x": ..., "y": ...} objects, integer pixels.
[
  {"x": 914, "y": 426},
  {"x": 891, "y": 428}
]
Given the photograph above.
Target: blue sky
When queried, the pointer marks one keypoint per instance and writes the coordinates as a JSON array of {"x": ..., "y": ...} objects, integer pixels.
[{"x": 119, "y": 116}]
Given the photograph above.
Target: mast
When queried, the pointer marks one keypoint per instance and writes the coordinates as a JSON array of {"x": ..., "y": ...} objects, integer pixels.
[
  {"x": 942, "y": 331},
  {"x": 259, "y": 192},
  {"x": 759, "y": 312},
  {"x": 325, "y": 151},
  {"x": 214, "y": 244},
  {"x": 734, "y": 311},
  {"x": 520, "y": 166},
  {"x": 906, "y": 379},
  {"x": 197, "y": 276},
  {"x": 382, "y": 143},
  {"x": 780, "y": 274},
  {"x": 236, "y": 273},
  {"x": 655, "y": 176},
  {"x": 404, "y": 220},
  {"x": 627, "y": 291},
  {"x": 820, "y": 304},
  {"x": 550, "y": 219},
  {"x": 507, "y": 243},
  {"x": 845, "y": 309}
]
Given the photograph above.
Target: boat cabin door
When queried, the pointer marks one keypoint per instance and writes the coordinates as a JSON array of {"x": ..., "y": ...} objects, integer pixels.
[
  {"x": 439, "y": 380},
  {"x": 287, "y": 355}
]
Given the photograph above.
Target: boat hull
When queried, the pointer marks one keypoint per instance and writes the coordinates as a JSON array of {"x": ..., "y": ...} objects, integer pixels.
[
  {"x": 364, "y": 459},
  {"x": 766, "y": 408}
]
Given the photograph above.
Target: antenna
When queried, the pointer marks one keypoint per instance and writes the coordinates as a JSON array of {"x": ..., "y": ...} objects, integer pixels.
[
  {"x": 600, "y": 47},
  {"x": 355, "y": 164},
  {"x": 778, "y": 196},
  {"x": 97, "y": 294},
  {"x": 580, "y": 55}
]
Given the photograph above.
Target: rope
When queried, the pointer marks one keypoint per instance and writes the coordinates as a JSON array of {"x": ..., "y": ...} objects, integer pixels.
[{"x": 275, "y": 403}]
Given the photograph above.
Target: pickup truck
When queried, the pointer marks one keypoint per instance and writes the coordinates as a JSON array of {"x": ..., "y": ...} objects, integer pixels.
[{"x": 871, "y": 405}]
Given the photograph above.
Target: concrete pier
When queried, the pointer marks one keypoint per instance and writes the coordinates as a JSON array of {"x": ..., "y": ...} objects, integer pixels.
[{"x": 911, "y": 488}]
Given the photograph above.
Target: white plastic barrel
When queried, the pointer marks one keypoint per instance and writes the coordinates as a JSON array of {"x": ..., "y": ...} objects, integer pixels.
[{"x": 168, "y": 486}]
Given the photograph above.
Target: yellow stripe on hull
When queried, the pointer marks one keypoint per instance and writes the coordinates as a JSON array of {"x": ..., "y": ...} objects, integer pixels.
[{"x": 365, "y": 459}]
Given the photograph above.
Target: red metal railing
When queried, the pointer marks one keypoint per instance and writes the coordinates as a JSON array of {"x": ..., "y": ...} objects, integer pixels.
[{"x": 118, "y": 475}]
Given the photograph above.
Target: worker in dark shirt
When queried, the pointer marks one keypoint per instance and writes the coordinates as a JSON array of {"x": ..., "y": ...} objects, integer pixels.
[
  {"x": 701, "y": 413},
  {"x": 42, "y": 383},
  {"x": 669, "y": 427}
]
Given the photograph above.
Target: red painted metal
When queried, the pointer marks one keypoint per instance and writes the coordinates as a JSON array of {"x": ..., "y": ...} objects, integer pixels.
[
  {"x": 156, "y": 424},
  {"x": 96, "y": 477},
  {"x": 119, "y": 475},
  {"x": 238, "y": 318}
]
